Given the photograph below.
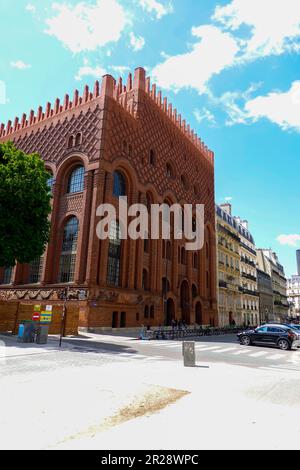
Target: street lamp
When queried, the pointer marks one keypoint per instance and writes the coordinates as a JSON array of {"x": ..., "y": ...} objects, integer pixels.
[{"x": 65, "y": 298}]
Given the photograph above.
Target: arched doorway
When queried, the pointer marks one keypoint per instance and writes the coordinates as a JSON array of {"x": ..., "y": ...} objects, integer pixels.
[
  {"x": 170, "y": 312},
  {"x": 198, "y": 312},
  {"x": 185, "y": 302}
]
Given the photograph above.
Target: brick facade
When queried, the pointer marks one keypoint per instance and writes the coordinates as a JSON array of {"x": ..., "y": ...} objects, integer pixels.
[{"x": 133, "y": 130}]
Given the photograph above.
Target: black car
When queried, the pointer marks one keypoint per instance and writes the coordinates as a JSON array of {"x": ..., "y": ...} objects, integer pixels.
[{"x": 282, "y": 336}]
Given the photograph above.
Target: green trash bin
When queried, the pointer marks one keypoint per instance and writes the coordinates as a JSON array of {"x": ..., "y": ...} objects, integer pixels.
[{"x": 42, "y": 334}]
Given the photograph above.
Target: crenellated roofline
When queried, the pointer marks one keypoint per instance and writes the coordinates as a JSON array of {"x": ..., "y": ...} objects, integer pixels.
[{"x": 120, "y": 93}]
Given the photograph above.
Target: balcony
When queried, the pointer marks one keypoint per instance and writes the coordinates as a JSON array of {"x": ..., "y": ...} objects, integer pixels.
[
  {"x": 249, "y": 276},
  {"x": 250, "y": 292},
  {"x": 248, "y": 261},
  {"x": 223, "y": 284},
  {"x": 246, "y": 247}
]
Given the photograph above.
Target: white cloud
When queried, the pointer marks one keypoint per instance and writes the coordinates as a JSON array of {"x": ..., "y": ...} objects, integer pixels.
[
  {"x": 282, "y": 108},
  {"x": 87, "y": 70},
  {"x": 228, "y": 199},
  {"x": 214, "y": 51},
  {"x": 19, "y": 64},
  {"x": 289, "y": 240},
  {"x": 30, "y": 7},
  {"x": 160, "y": 9},
  {"x": 204, "y": 114},
  {"x": 137, "y": 42},
  {"x": 273, "y": 28},
  {"x": 120, "y": 69},
  {"x": 274, "y": 25},
  {"x": 86, "y": 26}
]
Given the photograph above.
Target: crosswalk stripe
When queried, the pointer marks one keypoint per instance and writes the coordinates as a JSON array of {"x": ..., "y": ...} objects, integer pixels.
[
  {"x": 274, "y": 357},
  {"x": 258, "y": 354},
  {"x": 242, "y": 351},
  {"x": 210, "y": 348},
  {"x": 224, "y": 350}
]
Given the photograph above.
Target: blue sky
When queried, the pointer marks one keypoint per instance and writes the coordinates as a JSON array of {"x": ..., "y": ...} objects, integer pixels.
[{"x": 231, "y": 67}]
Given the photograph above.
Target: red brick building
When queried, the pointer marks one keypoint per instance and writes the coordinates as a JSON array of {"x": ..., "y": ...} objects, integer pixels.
[{"x": 118, "y": 140}]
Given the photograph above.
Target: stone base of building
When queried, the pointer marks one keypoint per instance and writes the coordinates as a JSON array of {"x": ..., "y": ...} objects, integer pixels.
[{"x": 110, "y": 311}]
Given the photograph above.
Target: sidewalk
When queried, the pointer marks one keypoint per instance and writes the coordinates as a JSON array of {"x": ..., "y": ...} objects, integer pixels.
[{"x": 83, "y": 403}]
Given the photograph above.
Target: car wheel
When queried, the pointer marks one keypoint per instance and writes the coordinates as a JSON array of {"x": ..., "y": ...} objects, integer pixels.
[
  {"x": 284, "y": 344},
  {"x": 245, "y": 341}
]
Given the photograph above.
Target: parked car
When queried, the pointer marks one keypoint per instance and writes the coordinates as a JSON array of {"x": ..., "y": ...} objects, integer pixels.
[
  {"x": 282, "y": 336},
  {"x": 294, "y": 327}
]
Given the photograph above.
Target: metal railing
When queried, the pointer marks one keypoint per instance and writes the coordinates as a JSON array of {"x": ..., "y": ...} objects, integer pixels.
[{"x": 169, "y": 333}]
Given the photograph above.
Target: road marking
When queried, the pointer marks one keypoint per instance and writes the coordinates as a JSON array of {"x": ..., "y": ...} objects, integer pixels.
[
  {"x": 224, "y": 350},
  {"x": 258, "y": 354},
  {"x": 211, "y": 348},
  {"x": 274, "y": 357},
  {"x": 242, "y": 351}
]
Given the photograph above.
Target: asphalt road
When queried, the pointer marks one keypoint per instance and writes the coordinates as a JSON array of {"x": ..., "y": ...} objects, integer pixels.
[{"x": 222, "y": 349}]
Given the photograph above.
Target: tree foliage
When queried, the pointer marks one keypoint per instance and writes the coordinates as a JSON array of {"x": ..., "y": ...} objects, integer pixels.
[{"x": 24, "y": 206}]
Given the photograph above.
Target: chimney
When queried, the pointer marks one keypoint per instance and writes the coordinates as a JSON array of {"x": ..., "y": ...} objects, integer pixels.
[
  {"x": 298, "y": 262},
  {"x": 227, "y": 208}
]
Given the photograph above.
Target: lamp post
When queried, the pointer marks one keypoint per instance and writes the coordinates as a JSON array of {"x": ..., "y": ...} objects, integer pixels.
[{"x": 65, "y": 297}]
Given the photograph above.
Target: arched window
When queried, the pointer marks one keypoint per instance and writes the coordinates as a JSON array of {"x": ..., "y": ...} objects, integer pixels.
[
  {"x": 170, "y": 173},
  {"x": 165, "y": 285},
  {"x": 194, "y": 291},
  {"x": 71, "y": 142},
  {"x": 114, "y": 255},
  {"x": 146, "y": 312},
  {"x": 78, "y": 140},
  {"x": 145, "y": 280},
  {"x": 76, "y": 180},
  {"x": 35, "y": 270},
  {"x": 50, "y": 181},
  {"x": 68, "y": 251},
  {"x": 169, "y": 251},
  {"x": 152, "y": 158},
  {"x": 195, "y": 261},
  {"x": 119, "y": 188},
  {"x": 7, "y": 275},
  {"x": 149, "y": 202},
  {"x": 185, "y": 182},
  {"x": 183, "y": 256},
  {"x": 152, "y": 312}
]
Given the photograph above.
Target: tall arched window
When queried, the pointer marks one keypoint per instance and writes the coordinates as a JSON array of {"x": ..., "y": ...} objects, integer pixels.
[
  {"x": 146, "y": 312},
  {"x": 78, "y": 139},
  {"x": 71, "y": 142},
  {"x": 76, "y": 180},
  {"x": 7, "y": 275},
  {"x": 50, "y": 181},
  {"x": 119, "y": 184},
  {"x": 169, "y": 251},
  {"x": 145, "y": 280},
  {"x": 35, "y": 270},
  {"x": 183, "y": 255},
  {"x": 114, "y": 255},
  {"x": 68, "y": 251}
]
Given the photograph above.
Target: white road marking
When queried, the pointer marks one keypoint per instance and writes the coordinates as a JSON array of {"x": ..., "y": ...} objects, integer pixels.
[
  {"x": 210, "y": 348},
  {"x": 258, "y": 354},
  {"x": 242, "y": 351},
  {"x": 274, "y": 357},
  {"x": 224, "y": 350}
]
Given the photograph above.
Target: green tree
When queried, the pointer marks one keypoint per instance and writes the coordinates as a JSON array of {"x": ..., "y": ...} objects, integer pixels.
[{"x": 24, "y": 206}]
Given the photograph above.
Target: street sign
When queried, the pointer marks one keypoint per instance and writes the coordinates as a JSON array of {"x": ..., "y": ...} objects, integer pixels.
[
  {"x": 46, "y": 317},
  {"x": 36, "y": 313}
]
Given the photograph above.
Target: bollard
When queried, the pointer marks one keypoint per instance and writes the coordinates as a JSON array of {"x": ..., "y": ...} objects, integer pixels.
[{"x": 188, "y": 352}]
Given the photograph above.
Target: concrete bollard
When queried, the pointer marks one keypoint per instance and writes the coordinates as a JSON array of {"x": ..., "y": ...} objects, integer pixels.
[{"x": 189, "y": 354}]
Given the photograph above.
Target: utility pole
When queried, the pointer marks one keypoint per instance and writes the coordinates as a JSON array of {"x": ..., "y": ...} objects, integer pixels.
[{"x": 63, "y": 320}]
